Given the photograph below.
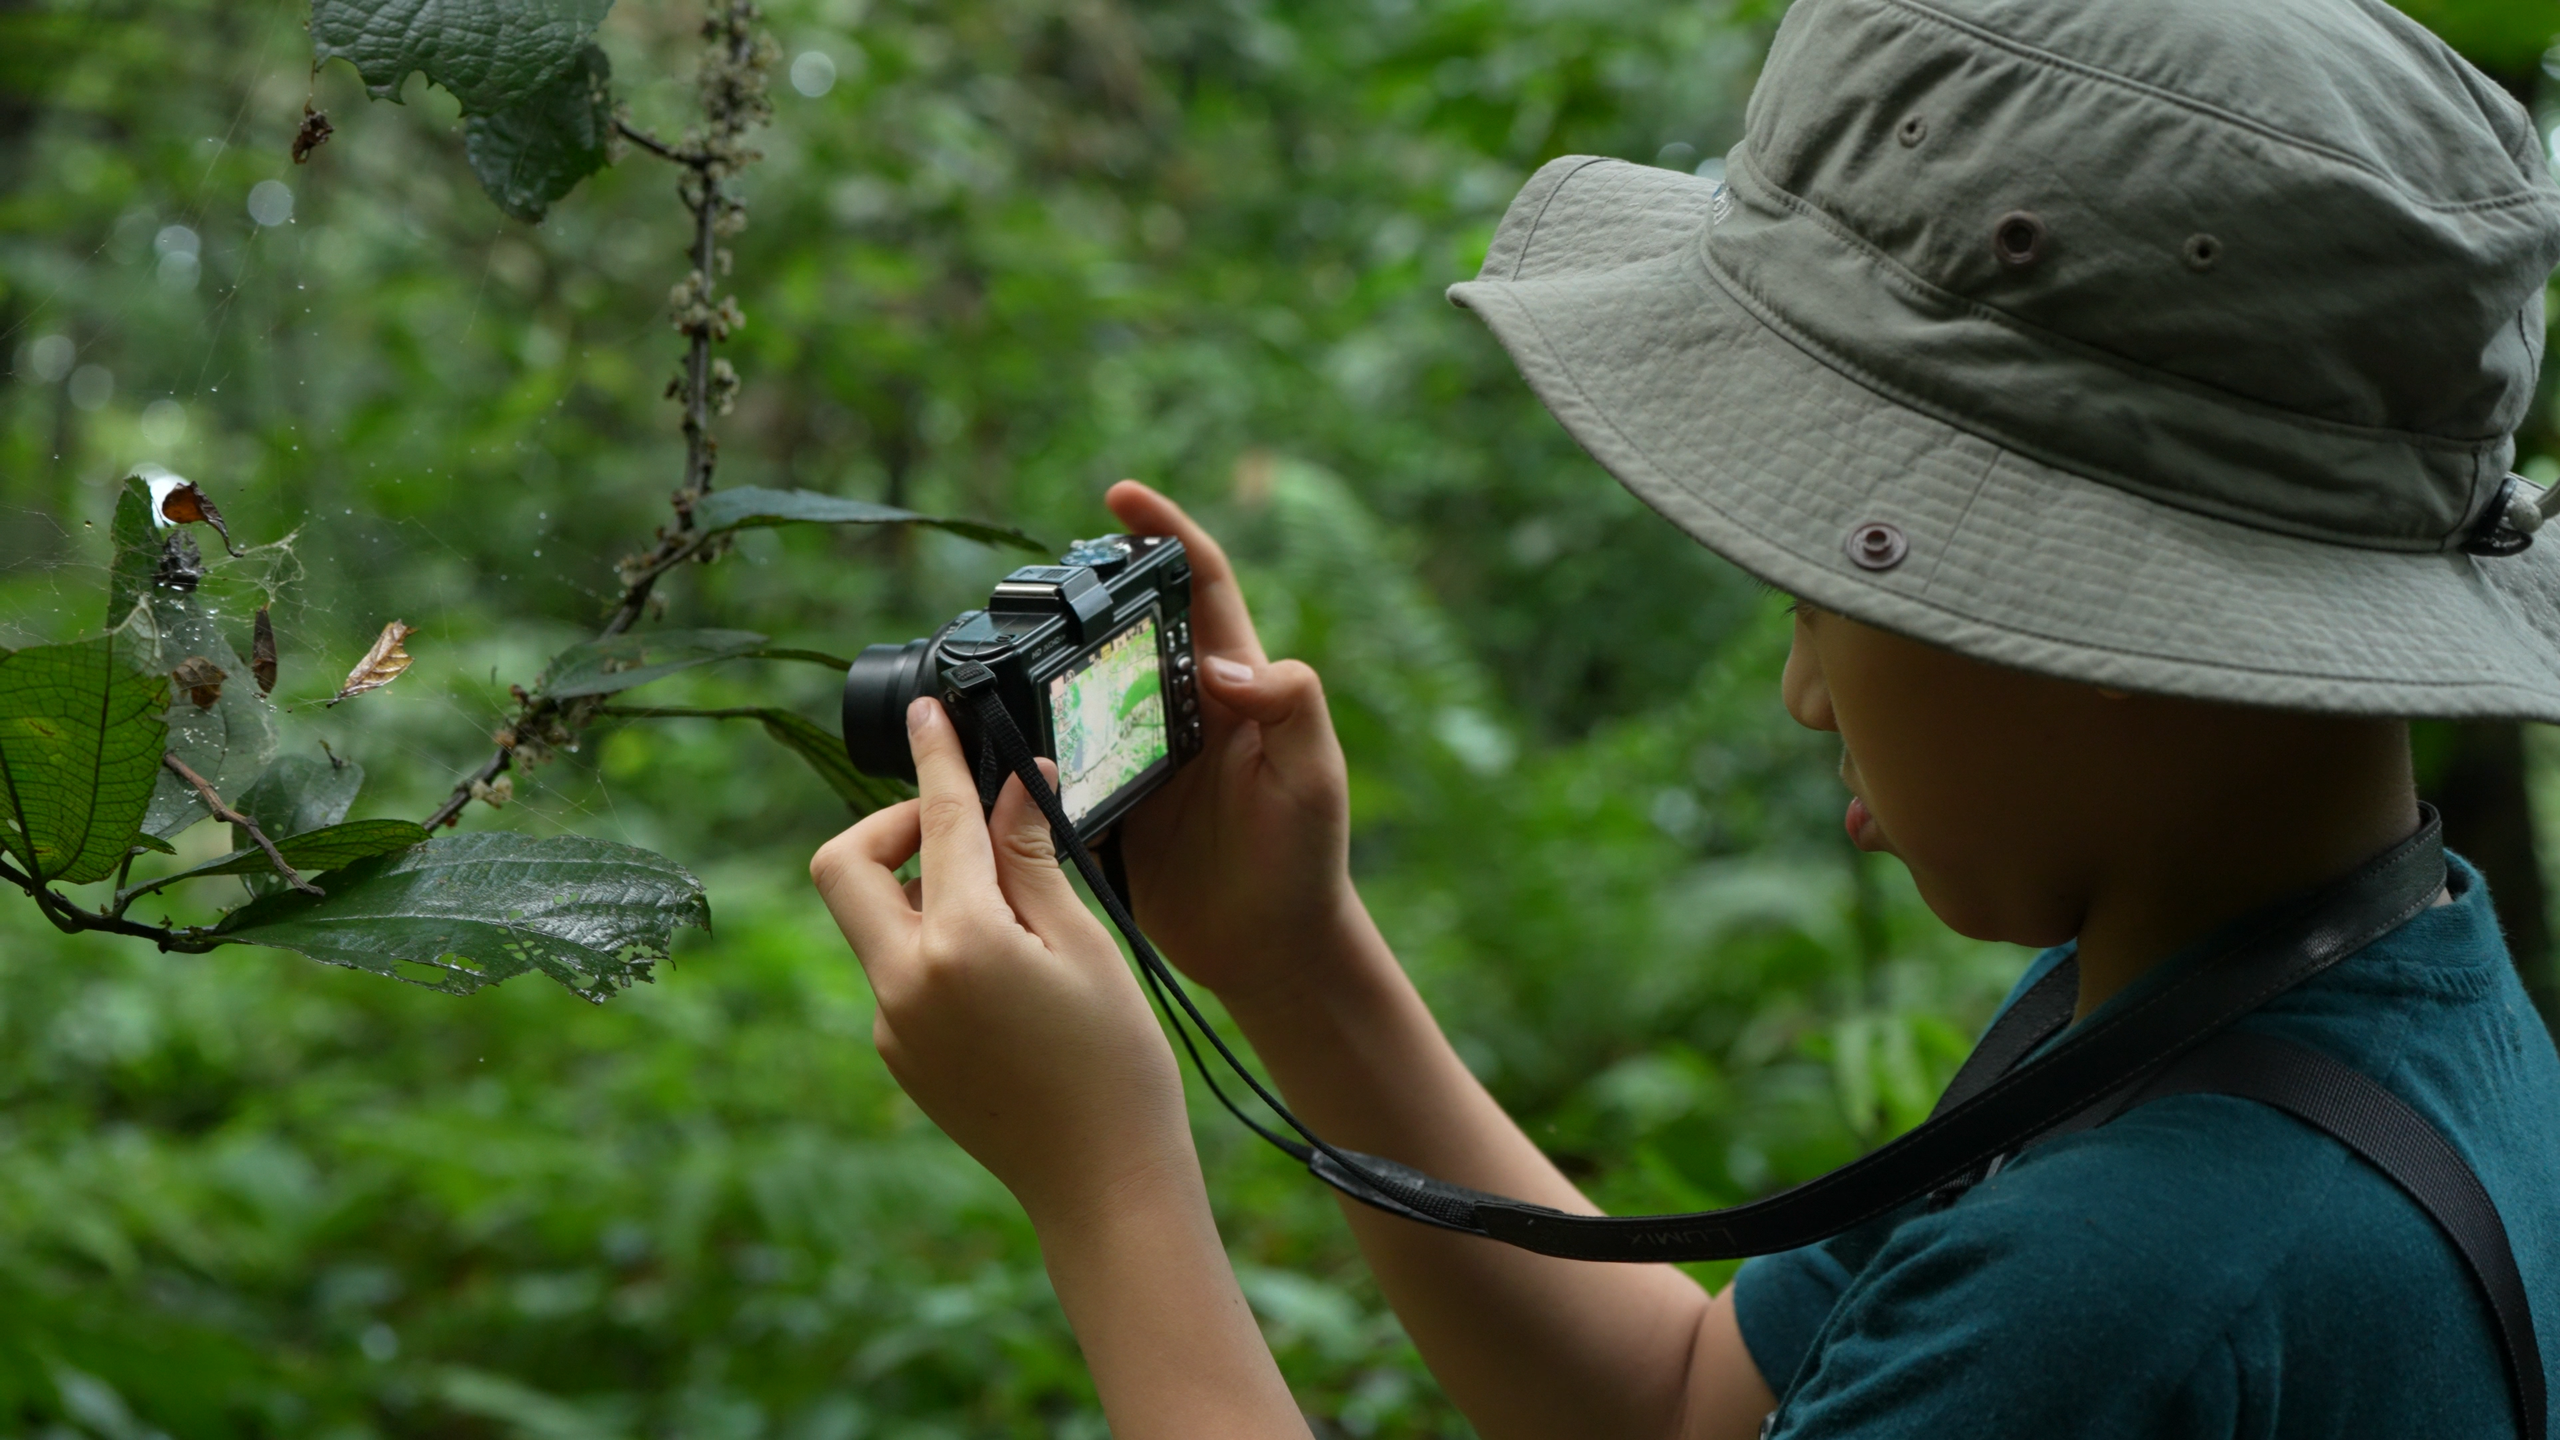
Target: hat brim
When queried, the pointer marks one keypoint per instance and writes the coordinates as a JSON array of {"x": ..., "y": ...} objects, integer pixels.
[{"x": 1771, "y": 458}]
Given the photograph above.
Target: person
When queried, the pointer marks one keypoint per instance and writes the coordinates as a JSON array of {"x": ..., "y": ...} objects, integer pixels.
[{"x": 2127, "y": 394}]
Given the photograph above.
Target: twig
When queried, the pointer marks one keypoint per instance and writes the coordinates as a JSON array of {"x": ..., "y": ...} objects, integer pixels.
[
  {"x": 70, "y": 919},
  {"x": 224, "y": 812},
  {"x": 658, "y": 147}
]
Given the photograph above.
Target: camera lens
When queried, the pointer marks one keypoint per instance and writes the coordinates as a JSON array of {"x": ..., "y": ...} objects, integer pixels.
[{"x": 884, "y": 681}]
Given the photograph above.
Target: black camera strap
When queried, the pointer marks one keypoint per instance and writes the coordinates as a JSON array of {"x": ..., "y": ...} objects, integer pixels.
[{"x": 2016, "y": 1090}]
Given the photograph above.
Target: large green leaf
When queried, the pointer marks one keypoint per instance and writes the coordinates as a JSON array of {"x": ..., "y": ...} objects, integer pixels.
[
  {"x": 80, "y": 743},
  {"x": 862, "y": 791},
  {"x": 228, "y": 742},
  {"x": 535, "y": 151},
  {"x": 463, "y": 911},
  {"x": 750, "y": 506},
  {"x": 618, "y": 662},
  {"x": 313, "y": 851},
  {"x": 490, "y": 53}
]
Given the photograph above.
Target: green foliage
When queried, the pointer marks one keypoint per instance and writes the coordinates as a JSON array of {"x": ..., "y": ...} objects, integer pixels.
[
  {"x": 299, "y": 794},
  {"x": 80, "y": 743},
  {"x": 618, "y": 662},
  {"x": 1014, "y": 252},
  {"x": 536, "y": 150},
  {"x": 751, "y": 506},
  {"x": 460, "y": 912},
  {"x": 491, "y": 54},
  {"x": 822, "y": 750},
  {"x": 326, "y": 848}
]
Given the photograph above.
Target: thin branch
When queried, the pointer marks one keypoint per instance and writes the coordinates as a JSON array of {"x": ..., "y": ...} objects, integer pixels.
[
  {"x": 70, "y": 919},
  {"x": 658, "y": 147},
  {"x": 224, "y": 812}
]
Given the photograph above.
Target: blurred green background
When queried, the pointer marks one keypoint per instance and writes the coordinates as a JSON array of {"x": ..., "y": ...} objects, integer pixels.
[{"x": 1002, "y": 252}]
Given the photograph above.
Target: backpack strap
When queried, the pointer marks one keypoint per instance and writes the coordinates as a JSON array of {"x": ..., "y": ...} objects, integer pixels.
[{"x": 2380, "y": 1128}]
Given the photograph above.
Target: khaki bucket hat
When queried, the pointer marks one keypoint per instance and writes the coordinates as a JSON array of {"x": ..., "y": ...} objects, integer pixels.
[{"x": 2169, "y": 345}]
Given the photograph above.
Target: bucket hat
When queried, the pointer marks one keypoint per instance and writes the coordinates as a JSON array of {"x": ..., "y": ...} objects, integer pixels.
[{"x": 2168, "y": 345}]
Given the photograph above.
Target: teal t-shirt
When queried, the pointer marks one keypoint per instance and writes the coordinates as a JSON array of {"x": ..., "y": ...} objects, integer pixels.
[{"x": 2205, "y": 1266}]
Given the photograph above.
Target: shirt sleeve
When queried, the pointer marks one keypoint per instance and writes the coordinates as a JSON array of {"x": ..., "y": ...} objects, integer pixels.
[{"x": 1781, "y": 1301}]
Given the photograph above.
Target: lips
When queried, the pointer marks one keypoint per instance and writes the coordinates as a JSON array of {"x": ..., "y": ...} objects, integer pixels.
[{"x": 1861, "y": 825}]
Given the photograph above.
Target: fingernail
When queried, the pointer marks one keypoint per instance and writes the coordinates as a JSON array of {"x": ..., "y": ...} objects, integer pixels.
[
  {"x": 921, "y": 713},
  {"x": 1229, "y": 671}
]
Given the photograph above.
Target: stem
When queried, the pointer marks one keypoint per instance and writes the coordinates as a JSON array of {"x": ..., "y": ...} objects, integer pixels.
[
  {"x": 654, "y": 145},
  {"x": 221, "y": 811},
  {"x": 70, "y": 919},
  {"x": 732, "y": 90}
]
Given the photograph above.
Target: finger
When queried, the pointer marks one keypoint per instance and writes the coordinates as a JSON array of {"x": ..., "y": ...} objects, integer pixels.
[
  {"x": 856, "y": 875},
  {"x": 1286, "y": 698},
  {"x": 1220, "y": 623},
  {"x": 1027, "y": 860},
  {"x": 951, "y": 828}
]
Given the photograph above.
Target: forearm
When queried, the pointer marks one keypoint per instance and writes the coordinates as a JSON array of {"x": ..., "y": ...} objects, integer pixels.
[
  {"x": 1525, "y": 1344},
  {"x": 1173, "y": 1349}
]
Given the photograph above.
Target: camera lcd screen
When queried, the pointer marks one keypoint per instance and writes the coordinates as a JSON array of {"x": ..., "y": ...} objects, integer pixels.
[{"x": 1107, "y": 716}]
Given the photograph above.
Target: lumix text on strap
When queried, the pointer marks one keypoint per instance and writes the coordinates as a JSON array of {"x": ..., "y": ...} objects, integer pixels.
[{"x": 2015, "y": 1090}]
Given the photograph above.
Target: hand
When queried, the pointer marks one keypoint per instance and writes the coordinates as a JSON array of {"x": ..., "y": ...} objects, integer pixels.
[
  {"x": 1240, "y": 865},
  {"x": 1005, "y": 1009}
]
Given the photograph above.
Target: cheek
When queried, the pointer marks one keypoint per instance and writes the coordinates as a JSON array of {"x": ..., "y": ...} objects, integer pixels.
[{"x": 1971, "y": 824}]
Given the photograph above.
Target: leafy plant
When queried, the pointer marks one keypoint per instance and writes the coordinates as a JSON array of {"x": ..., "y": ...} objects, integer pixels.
[{"x": 111, "y": 747}]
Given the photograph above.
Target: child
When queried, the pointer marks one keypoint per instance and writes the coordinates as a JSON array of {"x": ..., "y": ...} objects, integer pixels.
[{"x": 2127, "y": 391}]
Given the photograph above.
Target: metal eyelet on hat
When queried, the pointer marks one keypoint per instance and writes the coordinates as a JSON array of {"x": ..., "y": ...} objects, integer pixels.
[
  {"x": 2017, "y": 239},
  {"x": 2202, "y": 253},
  {"x": 1912, "y": 130},
  {"x": 1877, "y": 546}
]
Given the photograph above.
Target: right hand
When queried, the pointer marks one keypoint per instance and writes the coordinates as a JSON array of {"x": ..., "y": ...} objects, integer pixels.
[{"x": 1239, "y": 867}]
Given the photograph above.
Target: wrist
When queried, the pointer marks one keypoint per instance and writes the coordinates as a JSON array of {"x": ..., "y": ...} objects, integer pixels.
[
  {"x": 1332, "y": 965},
  {"x": 1093, "y": 1211}
]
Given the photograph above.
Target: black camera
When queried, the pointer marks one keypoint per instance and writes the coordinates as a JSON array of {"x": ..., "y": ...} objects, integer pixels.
[{"x": 1092, "y": 658}]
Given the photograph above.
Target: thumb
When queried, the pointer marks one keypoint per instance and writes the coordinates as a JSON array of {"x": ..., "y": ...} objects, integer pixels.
[
  {"x": 1285, "y": 698},
  {"x": 1027, "y": 869}
]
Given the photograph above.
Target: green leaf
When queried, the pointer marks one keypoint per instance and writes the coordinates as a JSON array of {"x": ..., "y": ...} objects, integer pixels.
[
  {"x": 490, "y": 53},
  {"x": 312, "y": 851},
  {"x": 811, "y": 742},
  {"x": 145, "y": 840},
  {"x": 137, "y": 545},
  {"x": 537, "y": 150},
  {"x": 750, "y": 506},
  {"x": 825, "y": 753},
  {"x": 463, "y": 911},
  {"x": 618, "y": 662},
  {"x": 80, "y": 745},
  {"x": 298, "y": 794},
  {"x": 228, "y": 742}
]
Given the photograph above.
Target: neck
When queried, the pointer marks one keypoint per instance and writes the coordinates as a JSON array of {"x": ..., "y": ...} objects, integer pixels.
[{"x": 2287, "y": 803}]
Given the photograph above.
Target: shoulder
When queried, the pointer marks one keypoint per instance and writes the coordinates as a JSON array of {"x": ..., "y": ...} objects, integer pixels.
[{"x": 2154, "y": 1277}]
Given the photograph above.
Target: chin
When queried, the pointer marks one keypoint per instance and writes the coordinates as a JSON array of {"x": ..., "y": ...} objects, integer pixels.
[{"x": 1998, "y": 918}]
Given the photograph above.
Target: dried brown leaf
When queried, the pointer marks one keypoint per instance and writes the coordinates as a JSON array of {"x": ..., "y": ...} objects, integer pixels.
[
  {"x": 262, "y": 653},
  {"x": 187, "y": 505},
  {"x": 314, "y": 133},
  {"x": 201, "y": 679},
  {"x": 381, "y": 665}
]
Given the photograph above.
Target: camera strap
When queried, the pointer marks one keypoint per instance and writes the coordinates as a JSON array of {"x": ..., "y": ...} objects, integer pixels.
[{"x": 2019, "y": 1088}]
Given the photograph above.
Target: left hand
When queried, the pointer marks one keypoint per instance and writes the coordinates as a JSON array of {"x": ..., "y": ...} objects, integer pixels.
[{"x": 1005, "y": 1008}]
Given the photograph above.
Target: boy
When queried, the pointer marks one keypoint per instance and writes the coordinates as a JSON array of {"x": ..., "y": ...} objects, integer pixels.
[{"x": 2127, "y": 391}]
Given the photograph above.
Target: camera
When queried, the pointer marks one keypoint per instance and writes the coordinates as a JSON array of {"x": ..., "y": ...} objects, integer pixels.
[{"x": 1092, "y": 659}]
